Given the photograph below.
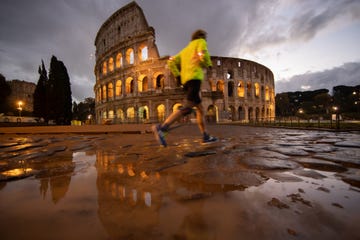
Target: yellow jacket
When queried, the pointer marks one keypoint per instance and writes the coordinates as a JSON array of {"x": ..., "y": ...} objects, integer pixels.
[{"x": 190, "y": 61}]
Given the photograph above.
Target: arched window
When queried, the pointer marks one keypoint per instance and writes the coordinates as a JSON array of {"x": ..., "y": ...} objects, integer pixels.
[
  {"x": 111, "y": 114},
  {"x": 130, "y": 56},
  {"x": 130, "y": 113},
  {"x": 241, "y": 89},
  {"x": 118, "y": 88},
  {"x": 129, "y": 85},
  {"x": 176, "y": 107},
  {"x": 143, "y": 53},
  {"x": 104, "y": 69},
  {"x": 111, "y": 64},
  {"x": 267, "y": 94},
  {"x": 231, "y": 89},
  {"x": 120, "y": 114},
  {"x": 257, "y": 89},
  {"x": 248, "y": 90},
  {"x": 104, "y": 93},
  {"x": 110, "y": 91},
  {"x": 145, "y": 84},
  {"x": 142, "y": 83},
  {"x": 160, "y": 81},
  {"x": 161, "y": 112},
  {"x": 143, "y": 112},
  {"x": 220, "y": 86},
  {"x": 119, "y": 62},
  {"x": 230, "y": 75}
]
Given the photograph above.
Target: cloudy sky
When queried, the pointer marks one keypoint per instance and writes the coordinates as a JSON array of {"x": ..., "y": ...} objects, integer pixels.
[{"x": 308, "y": 44}]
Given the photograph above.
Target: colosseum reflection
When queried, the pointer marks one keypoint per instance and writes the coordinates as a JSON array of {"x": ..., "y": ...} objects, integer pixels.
[{"x": 134, "y": 84}]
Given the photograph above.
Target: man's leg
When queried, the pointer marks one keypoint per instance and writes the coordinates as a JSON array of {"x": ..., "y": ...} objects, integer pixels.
[{"x": 200, "y": 118}]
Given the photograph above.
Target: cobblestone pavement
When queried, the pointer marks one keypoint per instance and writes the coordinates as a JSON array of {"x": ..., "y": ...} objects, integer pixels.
[{"x": 255, "y": 183}]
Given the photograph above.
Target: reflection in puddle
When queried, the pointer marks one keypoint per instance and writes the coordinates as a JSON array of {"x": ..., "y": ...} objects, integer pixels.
[
  {"x": 107, "y": 195},
  {"x": 17, "y": 172}
]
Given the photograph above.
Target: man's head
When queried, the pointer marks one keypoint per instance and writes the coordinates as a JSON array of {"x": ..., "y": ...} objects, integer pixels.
[{"x": 198, "y": 34}]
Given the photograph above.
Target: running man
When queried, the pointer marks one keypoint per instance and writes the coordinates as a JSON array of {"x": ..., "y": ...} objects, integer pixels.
[{"x": 188, "y": 67}]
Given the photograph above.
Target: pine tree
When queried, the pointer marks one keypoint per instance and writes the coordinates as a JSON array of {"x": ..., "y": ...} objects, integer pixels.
[
  {"x": 40, "y": 101},
  {"x": 59, "y": 93},
  {"x": 5, "y": 92}
]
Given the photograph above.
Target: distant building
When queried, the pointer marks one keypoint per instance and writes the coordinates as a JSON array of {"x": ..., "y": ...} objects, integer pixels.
[
  {"x": 21, "y": 91},
  {"x": 134, "y": 84}
]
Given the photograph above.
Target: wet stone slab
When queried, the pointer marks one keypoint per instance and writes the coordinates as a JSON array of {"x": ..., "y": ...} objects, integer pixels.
[{"x": 121, "y": 186}]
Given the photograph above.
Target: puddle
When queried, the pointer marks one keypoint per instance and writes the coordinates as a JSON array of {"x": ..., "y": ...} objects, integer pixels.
[
  {"x": 118, "y": 187},
  {"x": 104, "y": 198}
]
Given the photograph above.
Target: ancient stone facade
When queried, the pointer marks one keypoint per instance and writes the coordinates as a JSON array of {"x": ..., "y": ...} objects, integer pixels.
[
  {"x": 134, "y": 84},
  {"x": 22, "y": 91}
]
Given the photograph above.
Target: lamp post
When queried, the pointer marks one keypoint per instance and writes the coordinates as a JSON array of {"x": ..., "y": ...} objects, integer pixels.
[
  {"x": 337, "y": 120},
  {"x": 20, "y": 103},
  {"x": 301, "y": 111}
]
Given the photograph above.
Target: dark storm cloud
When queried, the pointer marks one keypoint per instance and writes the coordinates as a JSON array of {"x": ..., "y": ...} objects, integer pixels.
[
  {"x": 307, "y": 24},
  {"x": 347, "y": 74},
  {"x": 37, "y": 29}
]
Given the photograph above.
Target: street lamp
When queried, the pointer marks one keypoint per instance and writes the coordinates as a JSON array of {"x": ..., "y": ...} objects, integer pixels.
[
  {"x": 301, "y": 111},
  {"x": 20, "y": 103},
  {"x": 337, "y": 120}
]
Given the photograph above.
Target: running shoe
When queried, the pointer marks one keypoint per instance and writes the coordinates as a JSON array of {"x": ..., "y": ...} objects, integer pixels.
[{"x": 159, "y": 135}]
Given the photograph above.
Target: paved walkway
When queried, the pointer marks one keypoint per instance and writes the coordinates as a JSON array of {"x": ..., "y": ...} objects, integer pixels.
[
  {"x": 255, "y": 183},
  {"x": 121, "y": 128}
]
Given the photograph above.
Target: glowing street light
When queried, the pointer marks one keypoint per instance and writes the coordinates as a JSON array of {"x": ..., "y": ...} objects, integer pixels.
[{"x": 20, "y": 103}]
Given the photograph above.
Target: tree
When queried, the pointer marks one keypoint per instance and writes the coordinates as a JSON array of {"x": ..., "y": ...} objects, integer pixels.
[
  {"x": 5, "y": 92},
  {"x": 59, "y": 93},
  {"x": 282, "y": 107},
  {"x": 84, "y": 109},
  {"x": 40, "y": 100}
]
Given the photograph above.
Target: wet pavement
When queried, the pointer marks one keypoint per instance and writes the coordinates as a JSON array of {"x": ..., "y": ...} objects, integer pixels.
[{"x": 255, "y": 183}]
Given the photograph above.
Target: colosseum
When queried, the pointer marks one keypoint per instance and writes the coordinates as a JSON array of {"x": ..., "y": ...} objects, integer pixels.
[{"x": 135, "y": 85}]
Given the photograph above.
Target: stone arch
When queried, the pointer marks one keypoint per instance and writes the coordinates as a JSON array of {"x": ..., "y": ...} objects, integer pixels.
[
  {"x": 176, "y": 107},
  {"x": 230, "y": 88},
  {"x": 130, "y": 113},
  {"x": 159, "y": 80},
  {"x": 111, "y": 64},
  {"x": 230, "y": 74},
  {"x": 110, "y": 90},
  {"x": 118, "y": 88},
  {"x": 212, "y": 113},
  {"x": 241, "y": 89},
  {"x": 241, "y": 114},
  {"x": 143, "y": 113},
  {"x": 98, "y": 95},
  {"x": 267, "y": 93},
  {"x": 104, "y": 93},
  {"x": 257, "y": 89},
  {"x": 111, "y": 114},
  {"x": 129, "y": 85},
  {"x": 145, "y": 84},
  {"x": 120, "y": 114},
  {"x": 257, "y": 114},
  {"x": 248, "y": 89},
  {"x": 130, "y": 56},
  {"x": 104, "y": 115},
  {"x": 220, "y": 86},
  {"x": 263, "y": 114},
  {"x": 251, "y": 114},
  {"x": 143, "y": 52},
  {"x": 232, "y": 113},
  {"x": 104, "y": 68},
  {"x": 119, "y": 60},
  {"x": 141, "y": 83},
  {"x": 160, "y": 110}
]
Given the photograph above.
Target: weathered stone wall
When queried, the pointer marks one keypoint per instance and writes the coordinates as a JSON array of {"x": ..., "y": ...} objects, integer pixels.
[
  {"x": 133, "y": 84},
  {"x": 24, "y": 92}
]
